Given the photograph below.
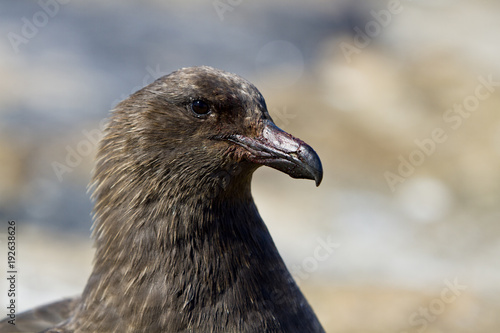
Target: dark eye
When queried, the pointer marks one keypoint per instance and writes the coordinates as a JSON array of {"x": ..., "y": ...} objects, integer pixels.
[{"x": 200, "y": 108}]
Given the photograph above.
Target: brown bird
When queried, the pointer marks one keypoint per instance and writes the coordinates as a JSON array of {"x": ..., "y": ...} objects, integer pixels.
[{"x": 180, "y": 245}]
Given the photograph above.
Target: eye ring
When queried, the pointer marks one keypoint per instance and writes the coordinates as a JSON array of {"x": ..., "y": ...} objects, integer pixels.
[{"x": 200, "y": 108}]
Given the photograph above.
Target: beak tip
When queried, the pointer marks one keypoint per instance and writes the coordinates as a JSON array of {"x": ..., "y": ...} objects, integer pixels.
[
  {"x": 318, "y": 175},
  {"x": 312, "y": 164}
]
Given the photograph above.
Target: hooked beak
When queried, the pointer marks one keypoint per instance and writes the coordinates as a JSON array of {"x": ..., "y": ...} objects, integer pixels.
[{"x": 281, "y": 151}]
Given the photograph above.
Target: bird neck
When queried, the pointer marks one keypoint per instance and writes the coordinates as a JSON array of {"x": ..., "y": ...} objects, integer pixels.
[{"x": 182, "y": 250}]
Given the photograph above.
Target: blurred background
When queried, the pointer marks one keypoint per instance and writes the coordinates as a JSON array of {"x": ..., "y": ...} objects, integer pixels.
[{"x": 399, "y": 98}]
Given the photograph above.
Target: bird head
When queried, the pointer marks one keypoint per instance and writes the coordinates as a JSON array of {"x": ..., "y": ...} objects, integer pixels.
[{"x": 197, "y": 122}]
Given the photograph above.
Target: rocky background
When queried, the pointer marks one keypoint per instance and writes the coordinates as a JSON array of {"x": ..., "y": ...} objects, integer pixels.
[{"x": 399, "y": 98}]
